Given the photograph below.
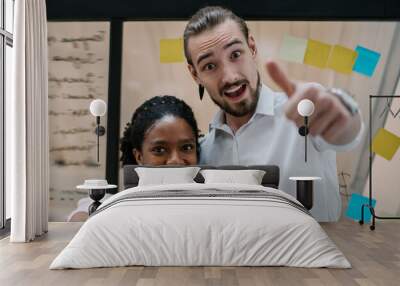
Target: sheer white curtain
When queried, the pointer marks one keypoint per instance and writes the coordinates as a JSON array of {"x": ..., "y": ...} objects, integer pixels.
[{"x": 27, "y": 117}]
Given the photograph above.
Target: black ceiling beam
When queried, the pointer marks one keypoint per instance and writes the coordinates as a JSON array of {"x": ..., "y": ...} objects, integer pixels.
[{"x": 91, "y": 10}]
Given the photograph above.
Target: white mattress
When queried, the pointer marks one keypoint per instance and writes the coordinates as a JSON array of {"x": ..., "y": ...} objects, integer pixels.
[{"x": 183, "y": 231}]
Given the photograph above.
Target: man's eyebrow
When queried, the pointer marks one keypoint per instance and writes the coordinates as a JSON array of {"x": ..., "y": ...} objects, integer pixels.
[
  {"x": 204, "y": 56},
  {"x": 233, "y": 42},
  {"x": 209, "y": 54}
]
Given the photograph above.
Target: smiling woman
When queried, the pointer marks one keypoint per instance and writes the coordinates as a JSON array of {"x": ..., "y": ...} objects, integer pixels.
[{"x": 163, "y": 131}]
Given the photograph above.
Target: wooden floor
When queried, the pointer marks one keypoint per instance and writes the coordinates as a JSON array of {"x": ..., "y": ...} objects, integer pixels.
[{"x": 374, "y": 255}]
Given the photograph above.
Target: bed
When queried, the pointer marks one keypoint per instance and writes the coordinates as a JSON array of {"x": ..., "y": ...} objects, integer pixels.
[{"x": 201, "y": 224}]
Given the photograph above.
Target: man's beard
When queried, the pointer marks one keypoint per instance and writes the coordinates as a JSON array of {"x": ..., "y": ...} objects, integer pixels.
[{"x": 243, "y": 108}]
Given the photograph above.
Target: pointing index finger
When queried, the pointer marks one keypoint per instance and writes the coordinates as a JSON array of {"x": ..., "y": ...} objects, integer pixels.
[{"x": 280, "y": 78}]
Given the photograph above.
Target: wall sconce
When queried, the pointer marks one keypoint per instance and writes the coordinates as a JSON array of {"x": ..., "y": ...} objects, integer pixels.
[
  {"x": 305, "y": 108},
  {"x": 98, "y": 108}
]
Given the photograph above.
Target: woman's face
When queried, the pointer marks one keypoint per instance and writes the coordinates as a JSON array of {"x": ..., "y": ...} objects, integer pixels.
[{"x": 170, "y": 141}]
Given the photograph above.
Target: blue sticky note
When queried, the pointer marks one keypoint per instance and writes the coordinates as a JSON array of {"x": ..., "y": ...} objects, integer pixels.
[
  {"x": 354, "y": 208},
  {"x": 366, "y": 61}
]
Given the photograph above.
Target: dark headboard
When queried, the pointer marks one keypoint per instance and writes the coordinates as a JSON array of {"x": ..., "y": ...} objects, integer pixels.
[{"x": 270, "y": 179}]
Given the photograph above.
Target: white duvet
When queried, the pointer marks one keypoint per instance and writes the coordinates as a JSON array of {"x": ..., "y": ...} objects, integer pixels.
[{"x": 207, "y": 230}]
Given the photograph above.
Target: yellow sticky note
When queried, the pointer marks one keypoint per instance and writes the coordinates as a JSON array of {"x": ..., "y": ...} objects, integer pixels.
[
  {"x": 342, "y": 59},
  {"x": 171, "y": 51},
  {"x": 317, "y": 53},
  {"x": 385, "y": 143}
]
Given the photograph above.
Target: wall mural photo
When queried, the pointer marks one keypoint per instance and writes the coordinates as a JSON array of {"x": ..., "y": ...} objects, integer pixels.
[{"x": 153, "y": 64}]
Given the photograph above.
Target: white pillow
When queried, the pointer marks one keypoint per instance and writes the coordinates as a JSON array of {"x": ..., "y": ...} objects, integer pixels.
[
  {"x": 248, "y": 177},
  {"x": 163, "y": 176}
]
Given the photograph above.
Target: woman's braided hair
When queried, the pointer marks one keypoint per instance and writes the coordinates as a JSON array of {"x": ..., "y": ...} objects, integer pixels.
[{"x": 146, "y": 115}]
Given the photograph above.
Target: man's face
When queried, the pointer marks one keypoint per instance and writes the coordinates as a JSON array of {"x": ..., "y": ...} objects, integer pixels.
[{"x": 224, "y": 63}]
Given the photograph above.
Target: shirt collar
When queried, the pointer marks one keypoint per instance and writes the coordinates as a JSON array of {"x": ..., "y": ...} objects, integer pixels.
[{"x": 265, "y": 106}]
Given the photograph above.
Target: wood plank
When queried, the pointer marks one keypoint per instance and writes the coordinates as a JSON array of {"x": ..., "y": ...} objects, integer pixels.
[{"x": 375, "y": 258}]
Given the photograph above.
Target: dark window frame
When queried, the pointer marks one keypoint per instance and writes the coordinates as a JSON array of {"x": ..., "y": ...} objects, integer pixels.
[{"x": 6, "y": 39}]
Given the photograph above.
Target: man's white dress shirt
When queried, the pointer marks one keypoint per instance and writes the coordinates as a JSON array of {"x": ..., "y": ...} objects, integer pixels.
[{"x": 269, "y": 138}]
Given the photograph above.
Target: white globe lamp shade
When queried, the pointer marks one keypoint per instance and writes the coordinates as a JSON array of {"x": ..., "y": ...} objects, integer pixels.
[
  {"x": 98, "y": 107},
  {"x": 305, "y": 107}
]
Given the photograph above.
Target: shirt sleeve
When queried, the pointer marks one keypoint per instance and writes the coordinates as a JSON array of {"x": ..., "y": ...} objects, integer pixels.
[{"x": 321, "y": 145}]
